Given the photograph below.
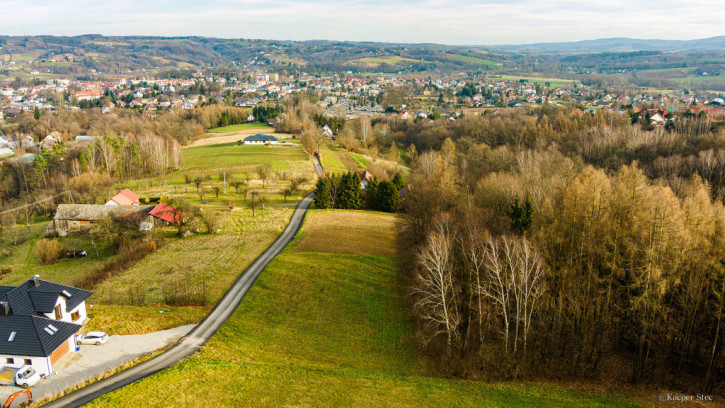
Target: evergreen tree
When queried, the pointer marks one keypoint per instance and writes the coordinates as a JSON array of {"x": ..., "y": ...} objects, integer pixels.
[
  {"x": 521, "y": 215},
  {"x": 398, "y": 181},
  {"x": 371, "y": 194},
  {"x": 322, "y": 193},
  {"x": 388, "y": 197},
  {"x": 349, "y": 191}
]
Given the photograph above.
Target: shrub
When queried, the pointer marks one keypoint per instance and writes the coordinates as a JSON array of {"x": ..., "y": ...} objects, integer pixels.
[
  {"x": 184, "y": 292},
  {"x": 48, "y": 250}
]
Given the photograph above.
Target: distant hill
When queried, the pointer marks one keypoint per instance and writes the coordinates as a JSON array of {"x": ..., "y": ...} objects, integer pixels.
[
  {"x": 119, "y": 54},
  {"x": 618, "y": 45}
]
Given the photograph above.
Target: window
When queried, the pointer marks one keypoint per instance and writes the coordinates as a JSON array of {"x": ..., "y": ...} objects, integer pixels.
[
  {"x": 28, "y": 361},
  {"x": 75, "y": 315},
  {"x": 58, "y": 312},
  {"x": 10, "y": 361}
]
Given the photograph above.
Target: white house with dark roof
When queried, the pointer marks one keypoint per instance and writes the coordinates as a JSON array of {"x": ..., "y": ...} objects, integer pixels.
[
  {"x": 38, "y": 323},
  {"x": 261, "y": 138}
]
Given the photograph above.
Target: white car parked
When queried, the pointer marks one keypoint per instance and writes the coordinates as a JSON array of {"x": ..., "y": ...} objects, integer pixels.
[{"x": 96, "y": 338}]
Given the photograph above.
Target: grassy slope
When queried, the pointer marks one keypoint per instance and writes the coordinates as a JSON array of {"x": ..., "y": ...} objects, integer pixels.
[
  {"x": 231, "y": 154},
  {"x": 375, "y": 61},
  {"x": 23, "y": 262},
  {"x": 244, "y": 126},
  {"x": 327, "y": 329},
  {"x": 474, "y": 60},
  {"x": 330, "y": 161}
]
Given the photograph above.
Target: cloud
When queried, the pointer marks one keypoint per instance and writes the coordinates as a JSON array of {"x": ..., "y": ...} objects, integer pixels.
[{"x": 439, "y": 21}]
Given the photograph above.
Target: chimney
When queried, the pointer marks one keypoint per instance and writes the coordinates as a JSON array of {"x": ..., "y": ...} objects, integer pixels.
[
  {"x": 4, "y": 309},
  {"x": 36, "y": 280}
]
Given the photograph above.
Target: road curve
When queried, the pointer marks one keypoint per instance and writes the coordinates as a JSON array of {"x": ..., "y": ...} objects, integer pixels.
[{"x": 191, "y": 343}]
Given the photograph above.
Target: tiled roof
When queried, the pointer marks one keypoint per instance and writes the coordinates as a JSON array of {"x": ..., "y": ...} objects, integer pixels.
[
  {"x": 28, "y": 299},
  {"x": 166, "y": 212},
  {"x": 32, "y": 335},
  {"x": 260, "y": 137},
  {"x": 126, "y": 197}
]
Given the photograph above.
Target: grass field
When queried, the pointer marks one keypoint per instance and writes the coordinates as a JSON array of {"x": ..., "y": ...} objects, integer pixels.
[
  {"x": 686, "y": 69},
  {"x": 348, "y": 232},
  {"x": 330, "y": 161},
  {"x": 17, "y": 244},
  {"x": 233, "y": 155},
  {"x": 375, "y": 61},
  {"x": 244, "y": 126},
  {"x": 328, "y": 329},
  {"x": 473, "y": 60}
]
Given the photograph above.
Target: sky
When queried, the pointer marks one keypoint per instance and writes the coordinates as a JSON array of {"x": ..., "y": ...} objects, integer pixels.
[{"x": 462, "y": 22}]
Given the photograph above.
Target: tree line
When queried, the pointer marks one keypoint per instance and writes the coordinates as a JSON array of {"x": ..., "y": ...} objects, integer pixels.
[
  {"x": 345, "y": 191},
  {"x": 593, "y": 269}
]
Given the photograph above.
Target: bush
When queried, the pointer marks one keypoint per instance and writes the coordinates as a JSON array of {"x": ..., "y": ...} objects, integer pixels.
[
  {"x": 184, "y": 292},
  {"x": 48, "y": 251}
]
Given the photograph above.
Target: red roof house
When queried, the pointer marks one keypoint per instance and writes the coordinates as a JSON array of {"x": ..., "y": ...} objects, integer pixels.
[
  {"x": 124, "y": 197},
  {"x": 166, "y": 213}
]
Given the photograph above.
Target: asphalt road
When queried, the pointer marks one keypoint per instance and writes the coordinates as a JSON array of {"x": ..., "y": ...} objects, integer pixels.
[
  {"x": 196, "y": 338},
  {"x": 318, "y": 167}
]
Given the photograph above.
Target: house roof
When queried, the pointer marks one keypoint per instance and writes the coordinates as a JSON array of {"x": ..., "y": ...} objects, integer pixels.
[
  {"x": 166, "y": 212},
  {"x": 404, "y": 191},
  {"x": 126, "y": 197},
  {"x": 28, "y": 299},
  {"x": 33, "y": 335},
  {"x": 260, "y": 137},
  {"x": 94, "y": 212},
  {"x": 366, "y": 175}
]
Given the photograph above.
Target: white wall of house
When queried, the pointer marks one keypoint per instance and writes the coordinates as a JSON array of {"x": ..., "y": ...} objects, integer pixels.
[
  {"x": 68, "y": 316},
  {"x": 261, "y": 142},
  {"x": 40, "y": 364}
]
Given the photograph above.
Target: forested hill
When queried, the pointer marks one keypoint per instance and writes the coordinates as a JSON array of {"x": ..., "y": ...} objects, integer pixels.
[{"x": 121, "y": 54}]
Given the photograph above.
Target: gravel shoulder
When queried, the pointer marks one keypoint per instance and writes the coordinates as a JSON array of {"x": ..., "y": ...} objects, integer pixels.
[{"x": 91, "y": 361}]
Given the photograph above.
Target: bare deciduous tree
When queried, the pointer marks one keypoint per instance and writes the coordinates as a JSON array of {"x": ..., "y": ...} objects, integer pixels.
[{"x": 436, "y": 294}]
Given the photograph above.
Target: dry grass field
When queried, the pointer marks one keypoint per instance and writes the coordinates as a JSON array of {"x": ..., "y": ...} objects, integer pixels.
[
  {"x": 209, "y": 261},
  {"x": 348, "y": 232}
]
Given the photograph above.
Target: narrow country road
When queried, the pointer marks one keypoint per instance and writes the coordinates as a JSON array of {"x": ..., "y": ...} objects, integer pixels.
[
  {"x": 191, "y": 343},
  {"x": 318, "y": 167}
]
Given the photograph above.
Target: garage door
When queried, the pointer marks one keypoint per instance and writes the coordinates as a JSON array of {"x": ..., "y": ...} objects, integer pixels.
[{"x": 59, "y": 352}]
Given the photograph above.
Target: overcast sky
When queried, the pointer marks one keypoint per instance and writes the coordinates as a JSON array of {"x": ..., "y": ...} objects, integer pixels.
[{"x": 463, "y": 22}]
